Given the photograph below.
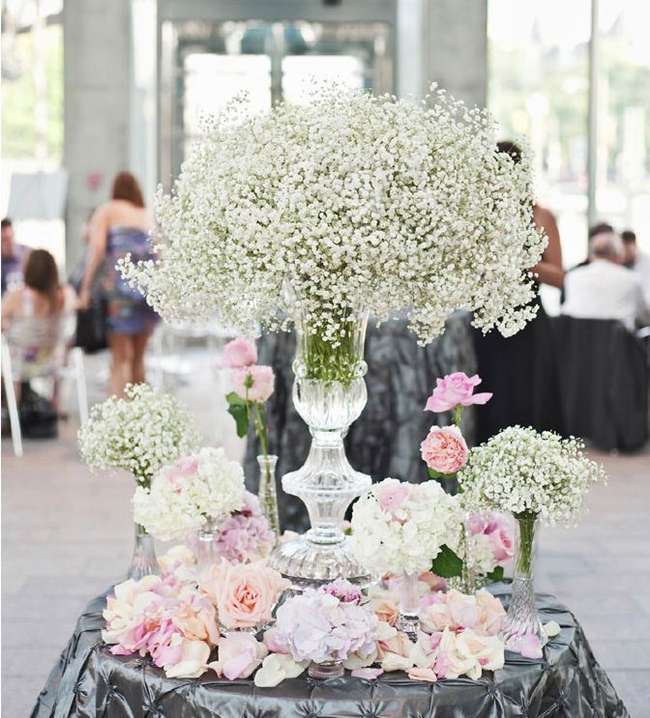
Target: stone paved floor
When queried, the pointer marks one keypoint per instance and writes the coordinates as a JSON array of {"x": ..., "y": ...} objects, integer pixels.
[{"x": 66, "y": 536}]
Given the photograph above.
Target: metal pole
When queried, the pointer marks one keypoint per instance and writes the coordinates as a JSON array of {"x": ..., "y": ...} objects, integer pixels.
[{"x": 592, "y": 120}]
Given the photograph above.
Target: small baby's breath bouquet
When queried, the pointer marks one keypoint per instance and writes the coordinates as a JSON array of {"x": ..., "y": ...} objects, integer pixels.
[
  {"x": 140, "y": 433},
  {"x": 532, "y": 475}
]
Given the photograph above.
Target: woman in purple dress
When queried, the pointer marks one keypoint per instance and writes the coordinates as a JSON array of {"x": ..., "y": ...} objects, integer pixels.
[{"x": 118, "y": 228}]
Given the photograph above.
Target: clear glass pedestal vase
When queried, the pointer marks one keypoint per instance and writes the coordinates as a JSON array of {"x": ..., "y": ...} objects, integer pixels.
[
  {"x": 144, "y": 561},
  {"x": 409, "y": 618},
  {"x": 329, "y": 393},
  {"x": 267, "y": 492},
  {"x": 521, "y": 626}
]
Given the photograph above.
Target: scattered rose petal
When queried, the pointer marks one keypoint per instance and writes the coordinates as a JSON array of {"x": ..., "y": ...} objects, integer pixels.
[
  {"x": 552, "y": 629},
  {"x": 422, "y": 674},
  {"x": 370, "y": 674}
]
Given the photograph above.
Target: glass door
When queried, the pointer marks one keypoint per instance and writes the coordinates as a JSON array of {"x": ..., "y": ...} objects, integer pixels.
[{"x": 204, "y": 65}]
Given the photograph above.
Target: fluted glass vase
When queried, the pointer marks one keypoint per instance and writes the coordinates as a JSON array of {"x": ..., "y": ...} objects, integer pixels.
[
  {"x": 144, "y": 561},
  {"x": 522, "y": 623},
  {"x": 329, "y": 393},
  {"x": 267, "y": 491},
  {"x": 409, "y": 618}
]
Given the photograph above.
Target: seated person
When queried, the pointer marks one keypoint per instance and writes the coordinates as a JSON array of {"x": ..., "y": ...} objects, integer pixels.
[
  {"x": 34, "y": 318},
  {"x": 637, "y": 261},
  {"x": 604, "y": 288},
  {"x": 13, "y": 257}
]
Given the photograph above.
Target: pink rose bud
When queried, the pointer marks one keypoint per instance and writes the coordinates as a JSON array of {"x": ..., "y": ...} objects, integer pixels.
[
  {"x": 444, "y": 450},
  {"x": 238, "y": 353},
  {"x": 454, "y": 390},
  {"x": 253, "y": 382}
]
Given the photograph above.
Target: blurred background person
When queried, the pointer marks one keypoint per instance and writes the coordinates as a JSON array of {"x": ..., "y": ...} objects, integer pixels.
[
  {"x": 33, "y": 314},
  {"x": 522, "y": 370},
  {"x": 13, "y": 257},
  {"x": 637, "y": 261},
  {"x": 605, "y": 289},
  {"x": 117, "y": 228}
]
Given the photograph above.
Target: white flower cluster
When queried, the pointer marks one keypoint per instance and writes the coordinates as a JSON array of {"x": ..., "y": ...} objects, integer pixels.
[
  {"x": 520, "y": 470},
  {"x": 181, "y": 501},
  {"x": 404, "y": 536},
  {"x": 350, "y": 202},
  {"x": 139, "y": 433}
]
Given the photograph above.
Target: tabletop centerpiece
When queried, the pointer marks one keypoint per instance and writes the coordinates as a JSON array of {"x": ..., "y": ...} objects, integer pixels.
[
  {"x": 534, "y": 476},
  {"x": 139, "y": 434},
  {"x": 323, "y": 214}
]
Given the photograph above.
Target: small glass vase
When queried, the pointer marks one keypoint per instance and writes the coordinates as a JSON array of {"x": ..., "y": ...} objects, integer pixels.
[
  {"x": 521, "y": 621},
  {"x": 267, "y": 491},
  {"x": 144, "y": 561},
  {"x": 329, "y": 393},
  {"x": 409, "y": 618},
  {"x": 329, "y": 669},
  {"x": 205, "y": 547}
]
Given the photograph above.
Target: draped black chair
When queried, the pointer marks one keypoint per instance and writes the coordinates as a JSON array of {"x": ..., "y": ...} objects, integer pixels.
[
  {"x": 385, "y": 440},
  {"x": 604, "y": 382}
]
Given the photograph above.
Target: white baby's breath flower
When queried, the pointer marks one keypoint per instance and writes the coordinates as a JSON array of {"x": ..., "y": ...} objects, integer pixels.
[
  {"x": 350, "y": 202},
  {"x": 139, "y": 433},
  {"x": 521, "y": 470}
]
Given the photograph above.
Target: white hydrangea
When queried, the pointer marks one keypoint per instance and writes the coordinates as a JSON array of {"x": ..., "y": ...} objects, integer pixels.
[
  {"x": 520, "y": 470},
  {"x": 181, "y": 500},
  {"x": 480, "y": 553},
  {"x": 405, "y": 540},
  {"x": 350, "y": 202},
  {"x": 140, "y": 433}
]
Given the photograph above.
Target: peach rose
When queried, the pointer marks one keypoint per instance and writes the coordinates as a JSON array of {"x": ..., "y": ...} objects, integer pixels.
[
  {"x": 444, "y": 450},
  {"x": 244, "y": 594}
]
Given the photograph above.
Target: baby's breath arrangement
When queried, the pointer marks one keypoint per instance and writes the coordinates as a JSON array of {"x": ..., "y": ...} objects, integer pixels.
[
  {"x": 349, "y": 203},
  {"x": 525, "y": 472},
  {"x": 140, "y": 433}
]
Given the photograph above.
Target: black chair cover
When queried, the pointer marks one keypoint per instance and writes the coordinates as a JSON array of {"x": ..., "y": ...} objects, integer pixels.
[{"x": 604, "y": 382}]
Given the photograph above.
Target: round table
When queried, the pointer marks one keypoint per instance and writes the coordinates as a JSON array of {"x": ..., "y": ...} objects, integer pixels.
[{"x": 567, "y": 683}]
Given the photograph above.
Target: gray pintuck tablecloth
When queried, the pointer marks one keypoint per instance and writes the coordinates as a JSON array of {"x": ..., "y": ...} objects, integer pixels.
[{"x": 568, "y": 683}]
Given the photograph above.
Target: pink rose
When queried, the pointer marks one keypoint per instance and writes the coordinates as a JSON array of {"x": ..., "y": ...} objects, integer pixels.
[
  {"x": 239, "y": 655},
  {"x": 244, "y": 594},
  {"x": 391, "y": 494},
  {"x": 238, "y": 353},
  {"x": 386, "y": 609},
  {"x": 454, "y": 390},
  {"x": 444, "y": 450},
  {"x": 491, "y": 613},
  {"x": 253, "y": 382}
]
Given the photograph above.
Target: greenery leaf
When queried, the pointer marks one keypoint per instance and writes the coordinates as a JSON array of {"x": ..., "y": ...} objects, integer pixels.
[
  {"x": 446, "y": 564},
  {"x": 238, "y": 410},
  {"x": 437, "y": 475},
  {"x": 496, "y": 575}
]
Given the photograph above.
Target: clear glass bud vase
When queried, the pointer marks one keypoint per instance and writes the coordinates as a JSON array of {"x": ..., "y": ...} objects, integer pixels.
[
  {"x": 409, "y": 610},
  {"x": 329, "y": 393},
  {"x": 205, "y": 546},
  {"x": 144, "y": 561},
  {"x": 522, "y": 623},
  {"x": 267, "y": 491}
]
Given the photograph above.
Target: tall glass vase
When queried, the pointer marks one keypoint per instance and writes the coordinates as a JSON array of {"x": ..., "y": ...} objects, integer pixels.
[
  {"x": 409, "y": 618},
  {"x": 329, "y": 393},
  {"x": 205, "y": 546},
  {"x": 144, "y": 561},
  {"x": 267, "y": 491},
  {"x": 522, "y": 622}
]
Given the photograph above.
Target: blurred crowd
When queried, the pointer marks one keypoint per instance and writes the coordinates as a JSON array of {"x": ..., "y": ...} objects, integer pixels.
[{"x": 605, "y": 301}]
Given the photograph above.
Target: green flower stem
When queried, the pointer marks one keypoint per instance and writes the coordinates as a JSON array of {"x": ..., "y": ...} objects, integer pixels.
[
  {"x": 458, "y": 415},
  {"x": 526, "y": 521},
  {"x": 327, "y": 362}
]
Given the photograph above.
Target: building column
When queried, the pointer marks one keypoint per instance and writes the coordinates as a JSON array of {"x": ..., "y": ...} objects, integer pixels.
[
  {"x": 97, "y": 93},
  {"x": 455, "y": 48}
]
